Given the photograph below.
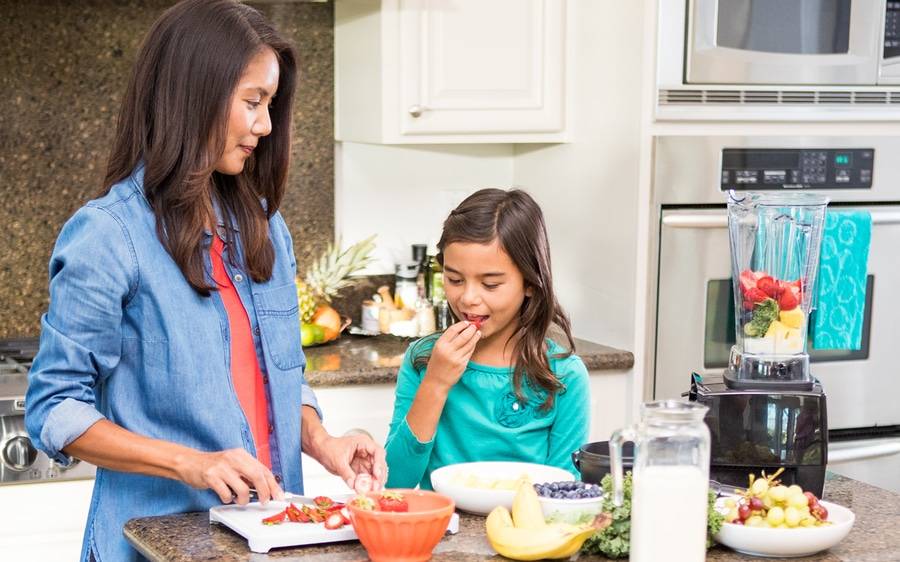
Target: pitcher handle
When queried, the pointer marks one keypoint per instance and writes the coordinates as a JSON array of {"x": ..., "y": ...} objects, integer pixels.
[
  {"x": 576, "y": 459},
  {"x": 615, "y": 461}
]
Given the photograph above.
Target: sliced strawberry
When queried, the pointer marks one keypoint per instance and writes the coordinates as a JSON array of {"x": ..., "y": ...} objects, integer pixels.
[
  {"x": 748, "y": 280},
  {"x": 334, "y": 521},
  {"x": 787, "y": 301},
  {"x": 275, "y": 519},
  {"x": 345, "y": 513},
  {"x": 323, "y": 501},
  {"x": 768, "y": 285},
  {"x": 755, "y": 295}
]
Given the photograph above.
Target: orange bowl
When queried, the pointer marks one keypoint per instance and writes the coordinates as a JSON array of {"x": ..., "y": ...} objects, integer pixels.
[{"x": 409, "y": 536}]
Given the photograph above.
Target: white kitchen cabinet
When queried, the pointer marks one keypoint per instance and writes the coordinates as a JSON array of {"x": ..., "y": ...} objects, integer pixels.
[
  {"x": 452, "y": 71},
  {"x": 370, "y": 407}
]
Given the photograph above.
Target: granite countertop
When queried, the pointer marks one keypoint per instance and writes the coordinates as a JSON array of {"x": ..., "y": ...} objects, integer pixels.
[
  {"x": 174, "y": 538},
  {"x": 375, "y": 360}
]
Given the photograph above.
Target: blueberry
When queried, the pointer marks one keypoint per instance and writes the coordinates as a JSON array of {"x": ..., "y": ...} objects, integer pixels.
[{"x": 554, "y": 486}]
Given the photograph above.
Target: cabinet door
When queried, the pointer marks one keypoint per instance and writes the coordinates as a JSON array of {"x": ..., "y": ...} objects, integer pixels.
[{"x": 470, "y": 66}]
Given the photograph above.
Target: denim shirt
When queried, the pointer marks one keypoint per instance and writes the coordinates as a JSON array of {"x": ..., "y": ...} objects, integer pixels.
[{"x": 127, "y": 339}]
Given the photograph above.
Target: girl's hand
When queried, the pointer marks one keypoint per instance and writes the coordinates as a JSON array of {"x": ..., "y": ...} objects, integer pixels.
[
  {"x": 356, "y": 458},
  {"x": 451, "y": 353},
  {"x": 230, "y": 474}
]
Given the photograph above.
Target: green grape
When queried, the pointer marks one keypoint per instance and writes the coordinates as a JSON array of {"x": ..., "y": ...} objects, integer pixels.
[{"x": 775, "y": 516}]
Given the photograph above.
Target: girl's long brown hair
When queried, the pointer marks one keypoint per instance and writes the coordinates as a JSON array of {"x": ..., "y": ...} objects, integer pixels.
[
  {"x": 174, "y": 118},
  {"x": 515, "y": 220}
]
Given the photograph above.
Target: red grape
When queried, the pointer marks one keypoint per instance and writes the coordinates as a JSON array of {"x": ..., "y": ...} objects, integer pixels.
[{"x": 744, "y": 511}]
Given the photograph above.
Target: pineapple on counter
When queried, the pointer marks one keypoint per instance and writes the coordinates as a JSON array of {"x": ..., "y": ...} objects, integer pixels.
[{"x": 324, "y": 279}]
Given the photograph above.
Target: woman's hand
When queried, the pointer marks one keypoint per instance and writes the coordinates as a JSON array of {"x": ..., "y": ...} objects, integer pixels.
[
  {"x": 451, "y": 354},
  {"x": 230, "y": 474},
  {"x": 355, "y": 458}
]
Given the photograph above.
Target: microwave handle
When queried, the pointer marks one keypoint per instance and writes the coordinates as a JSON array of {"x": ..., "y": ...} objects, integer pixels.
[{"x": 721, "y": 221}]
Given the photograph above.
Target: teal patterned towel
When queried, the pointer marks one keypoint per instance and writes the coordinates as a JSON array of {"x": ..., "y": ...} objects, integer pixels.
[{"x": 842, "y": 280}]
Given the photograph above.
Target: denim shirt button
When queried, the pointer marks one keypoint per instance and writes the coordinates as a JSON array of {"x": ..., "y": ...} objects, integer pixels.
[
  {"x": 256, "y": 330},
  {"x": 238, "y": 278},
  {"x": 265, "y": 379},
  {"x": 278, "y": 478},
  {"x": 271, "y": 428}
]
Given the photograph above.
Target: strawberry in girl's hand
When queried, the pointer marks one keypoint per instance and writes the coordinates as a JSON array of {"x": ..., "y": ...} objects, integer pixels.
[{"x": 392, "y": 501}]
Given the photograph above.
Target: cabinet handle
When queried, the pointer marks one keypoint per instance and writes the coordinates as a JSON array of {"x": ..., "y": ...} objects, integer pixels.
[{"x": 416, "y": 110}]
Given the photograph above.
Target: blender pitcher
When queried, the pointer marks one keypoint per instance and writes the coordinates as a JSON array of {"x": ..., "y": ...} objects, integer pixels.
[
  {"x": 670, "y": 481},
  {"x": 775, "y": 242}
]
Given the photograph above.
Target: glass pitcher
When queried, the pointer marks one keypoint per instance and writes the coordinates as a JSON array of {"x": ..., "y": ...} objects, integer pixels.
[
  {"x": 775, "y": 242},
  {"x": 670, "y": 481}
]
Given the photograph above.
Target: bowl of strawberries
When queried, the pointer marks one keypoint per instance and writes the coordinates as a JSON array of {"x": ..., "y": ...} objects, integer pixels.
[{"x": 400, "y": 524}]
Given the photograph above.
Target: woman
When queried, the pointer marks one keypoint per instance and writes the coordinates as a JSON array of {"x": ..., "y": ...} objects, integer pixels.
[{"x": 170, "y": 354}]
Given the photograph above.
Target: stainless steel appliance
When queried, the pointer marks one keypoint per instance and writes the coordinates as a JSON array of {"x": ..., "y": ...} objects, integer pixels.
[
  {"x": 20, "y": 462},
  {"x": 753, "y": 59},
  {"x": 694, "y": 299},
  {"x": 797, "y": 42}
]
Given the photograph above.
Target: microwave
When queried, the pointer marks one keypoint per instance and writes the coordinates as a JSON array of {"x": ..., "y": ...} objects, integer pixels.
[{"x": 751, "y": 43}]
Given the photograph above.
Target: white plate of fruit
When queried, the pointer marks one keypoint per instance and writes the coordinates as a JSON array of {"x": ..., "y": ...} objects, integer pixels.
[{"x": 770, "y": 519}]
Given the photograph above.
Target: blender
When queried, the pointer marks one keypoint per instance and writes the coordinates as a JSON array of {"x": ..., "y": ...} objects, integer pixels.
[{"x": 767, "y": 411}]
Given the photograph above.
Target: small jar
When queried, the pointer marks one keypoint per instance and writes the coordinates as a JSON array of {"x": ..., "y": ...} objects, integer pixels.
[{"x": 369, "y": 316}]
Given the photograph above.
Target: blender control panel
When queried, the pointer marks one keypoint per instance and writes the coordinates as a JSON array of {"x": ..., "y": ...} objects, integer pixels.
[{"x": 756, "y": 169}]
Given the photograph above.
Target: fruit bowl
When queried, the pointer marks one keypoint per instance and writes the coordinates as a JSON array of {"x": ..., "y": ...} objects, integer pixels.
[
  {"x": 787, "y": 543},
  {"x": 409, "y": 536},
  {"x": 571, "y": 509},
  {"x": 479, "y": 487}
]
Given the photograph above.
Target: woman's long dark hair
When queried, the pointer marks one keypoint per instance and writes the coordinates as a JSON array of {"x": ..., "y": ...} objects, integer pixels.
[
  {"x": 515, "y": 220},
  {"x": 174, "y": 119}
]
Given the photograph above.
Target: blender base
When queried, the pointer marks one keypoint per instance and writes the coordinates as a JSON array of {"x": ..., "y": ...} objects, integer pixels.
[{"x": 734, "y": 381}]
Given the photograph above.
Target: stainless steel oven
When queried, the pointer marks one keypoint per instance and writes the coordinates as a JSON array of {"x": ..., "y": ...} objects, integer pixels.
[
  {"x": 695, "y": 324},
  {"x": 816, "y": 42},
  {"x": 20, "y": 461}
]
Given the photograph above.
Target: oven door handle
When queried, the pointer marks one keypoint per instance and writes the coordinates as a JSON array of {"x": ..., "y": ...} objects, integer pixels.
[
  {"x": 721, "y": 221},
  {"x": 864, "y": 452},
  {"x": 696, "y": 221}
]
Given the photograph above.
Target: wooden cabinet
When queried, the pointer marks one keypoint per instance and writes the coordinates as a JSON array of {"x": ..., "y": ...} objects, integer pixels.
[{"x": 452, "y": 71}]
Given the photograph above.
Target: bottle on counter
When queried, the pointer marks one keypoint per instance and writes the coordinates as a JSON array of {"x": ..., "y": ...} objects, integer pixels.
[
  {"x": 406, "y": 292},
  {"x": 435, "y": 281},
  {"x": 420, "y": 256}
]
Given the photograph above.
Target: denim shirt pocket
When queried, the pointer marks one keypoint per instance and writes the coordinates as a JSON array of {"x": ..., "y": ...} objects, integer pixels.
[{"x": 279, "y": 318}]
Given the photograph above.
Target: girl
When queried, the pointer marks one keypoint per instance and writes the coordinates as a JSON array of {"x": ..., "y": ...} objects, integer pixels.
[
  {"x": 170, "y": 354},
  {"x": 493, "y": 386}
]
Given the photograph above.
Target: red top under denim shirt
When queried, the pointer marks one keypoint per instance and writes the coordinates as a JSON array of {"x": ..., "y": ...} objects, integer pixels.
[{"x": 245, "y": 372}]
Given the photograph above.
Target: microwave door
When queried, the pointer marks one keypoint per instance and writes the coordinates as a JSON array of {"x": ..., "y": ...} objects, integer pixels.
[
  {"x": 776, "y": 42},
  {"x": 693, "y": 255}
]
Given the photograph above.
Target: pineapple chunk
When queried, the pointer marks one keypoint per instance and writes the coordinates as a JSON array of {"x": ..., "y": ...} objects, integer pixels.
[
  {"x": 792, "y": 318},
  {"x": 776, "y": 330}
]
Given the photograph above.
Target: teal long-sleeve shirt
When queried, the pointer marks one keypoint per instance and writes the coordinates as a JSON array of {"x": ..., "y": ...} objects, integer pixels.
[{"x": 483, "y": 420}]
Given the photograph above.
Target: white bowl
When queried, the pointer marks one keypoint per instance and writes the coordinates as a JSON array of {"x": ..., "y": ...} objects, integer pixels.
[
  {"x": 449, "y": 480},
  {"x": 788, "y": 543},
  {"x": 570, "y": 511}
]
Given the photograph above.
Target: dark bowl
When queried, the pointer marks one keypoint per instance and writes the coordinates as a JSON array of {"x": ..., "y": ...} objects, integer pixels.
[{"x": 592, "y": 460}]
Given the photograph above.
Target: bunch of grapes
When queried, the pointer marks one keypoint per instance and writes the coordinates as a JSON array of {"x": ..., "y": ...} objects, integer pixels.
[
  {"x": 767, "y": 503},
  {"x": 572, "y": 490}
]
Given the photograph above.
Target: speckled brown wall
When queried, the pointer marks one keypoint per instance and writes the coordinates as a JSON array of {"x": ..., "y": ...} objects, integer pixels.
[{"x": 63, "y": 69}]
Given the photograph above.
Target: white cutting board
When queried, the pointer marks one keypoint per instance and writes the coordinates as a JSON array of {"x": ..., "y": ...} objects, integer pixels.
[{"x": 246, "y": 521}]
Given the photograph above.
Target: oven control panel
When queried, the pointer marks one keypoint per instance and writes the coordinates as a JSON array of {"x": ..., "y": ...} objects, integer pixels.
[{"x": 758, "y": 169}]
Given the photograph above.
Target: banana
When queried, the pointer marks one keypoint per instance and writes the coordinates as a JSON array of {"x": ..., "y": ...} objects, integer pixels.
[
  {"x": 524, "y": 535},
  {"x": 554, "y": 541},
  {"x": 526, "y": 508}
]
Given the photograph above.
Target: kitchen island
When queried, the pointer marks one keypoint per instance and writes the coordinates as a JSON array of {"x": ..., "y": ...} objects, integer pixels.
[{"x": 189, "y": 537}]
